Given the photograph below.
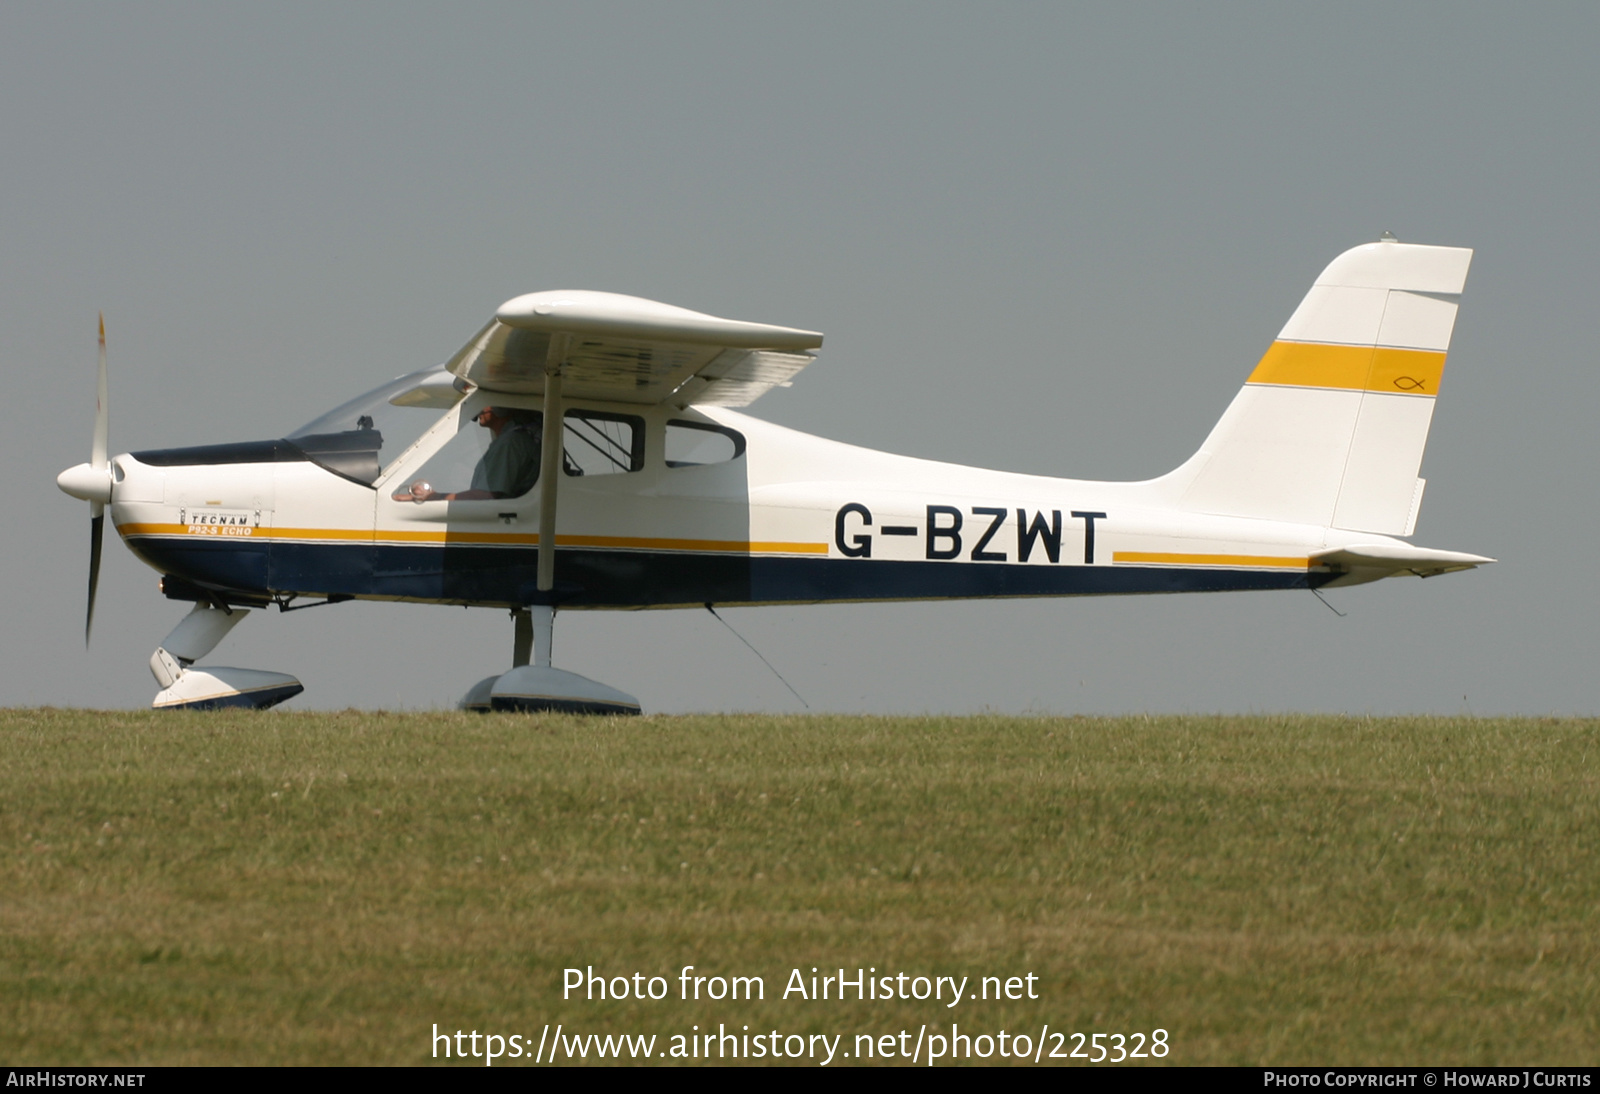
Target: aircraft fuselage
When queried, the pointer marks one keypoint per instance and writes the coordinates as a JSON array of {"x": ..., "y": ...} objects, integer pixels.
[{"x": 792, "y": 519}]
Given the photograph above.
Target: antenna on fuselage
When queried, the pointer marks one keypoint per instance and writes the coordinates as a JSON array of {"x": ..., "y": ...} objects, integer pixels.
[{"x": 757, "y": 652}]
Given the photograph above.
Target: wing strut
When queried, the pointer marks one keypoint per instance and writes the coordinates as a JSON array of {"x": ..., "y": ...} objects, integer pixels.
[{"x": 550, "y": 463}]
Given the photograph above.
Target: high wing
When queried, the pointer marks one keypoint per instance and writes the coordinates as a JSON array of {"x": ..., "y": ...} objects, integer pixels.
[{"x": 625, "y": 349}]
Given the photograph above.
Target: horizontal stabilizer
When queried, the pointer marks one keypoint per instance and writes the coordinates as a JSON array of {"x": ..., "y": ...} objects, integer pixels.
[{"x": 1365, "y": 562}]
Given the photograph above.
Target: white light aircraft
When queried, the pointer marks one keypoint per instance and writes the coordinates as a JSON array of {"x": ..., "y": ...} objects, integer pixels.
[{"x": 656, "y": 494}]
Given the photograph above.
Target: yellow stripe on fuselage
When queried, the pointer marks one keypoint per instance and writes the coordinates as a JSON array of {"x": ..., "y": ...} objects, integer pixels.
[
  {"x": 496, "y": 539},
  {"x": 1165, "y": 558},
  {"x": 1354, "y": 368}
]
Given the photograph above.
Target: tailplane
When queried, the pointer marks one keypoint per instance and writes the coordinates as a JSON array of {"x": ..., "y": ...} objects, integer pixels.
[{"x": 1330, "y": 427}]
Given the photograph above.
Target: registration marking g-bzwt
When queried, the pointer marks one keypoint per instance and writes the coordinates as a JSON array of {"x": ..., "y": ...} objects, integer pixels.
[{"x": 943, "y": 538}]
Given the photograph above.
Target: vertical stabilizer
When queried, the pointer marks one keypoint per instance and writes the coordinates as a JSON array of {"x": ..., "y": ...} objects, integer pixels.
[{"x": 1330, "y": 427}]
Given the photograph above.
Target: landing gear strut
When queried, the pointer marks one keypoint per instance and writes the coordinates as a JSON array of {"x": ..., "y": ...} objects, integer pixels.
[{"x": 537, "y": 686}]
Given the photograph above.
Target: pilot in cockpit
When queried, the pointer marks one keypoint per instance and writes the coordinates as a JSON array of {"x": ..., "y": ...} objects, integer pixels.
[{"x": 507, "y": 469}]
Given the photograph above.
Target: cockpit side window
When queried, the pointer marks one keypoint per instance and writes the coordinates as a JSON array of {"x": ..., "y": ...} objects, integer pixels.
[
  {"x": 696, "y": 444},
  {"x": 502, "y": 458},
  {"x": 598, "y": 442}
]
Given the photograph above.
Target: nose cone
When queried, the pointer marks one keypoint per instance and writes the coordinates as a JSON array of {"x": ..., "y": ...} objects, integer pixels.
[{"x": 86, "y": 482}]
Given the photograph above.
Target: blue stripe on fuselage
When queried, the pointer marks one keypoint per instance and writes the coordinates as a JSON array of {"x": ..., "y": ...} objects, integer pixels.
[{"x": 598, "y": 578}]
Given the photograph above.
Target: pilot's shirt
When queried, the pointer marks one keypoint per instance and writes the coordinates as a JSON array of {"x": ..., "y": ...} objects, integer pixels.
[{"x": 510, "y": 465}]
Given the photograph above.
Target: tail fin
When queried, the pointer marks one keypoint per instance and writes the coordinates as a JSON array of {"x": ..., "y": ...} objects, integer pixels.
[{"x": 1330, "y": 427}]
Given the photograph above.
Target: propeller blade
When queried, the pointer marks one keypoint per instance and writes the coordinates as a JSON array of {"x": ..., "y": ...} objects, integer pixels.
[
  {"x": 98, "y": 460},
  {"x": 102, "y": 411},
  {"x": 97, "y": 527}
]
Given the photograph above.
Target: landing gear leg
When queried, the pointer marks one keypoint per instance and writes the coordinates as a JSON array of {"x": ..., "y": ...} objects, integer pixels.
[
  {"x": 184, "y": 687},
  {"x": 537, "y": 686},
  {"x": 533, "y": 634},
  {"x": 522, "y": 637}
]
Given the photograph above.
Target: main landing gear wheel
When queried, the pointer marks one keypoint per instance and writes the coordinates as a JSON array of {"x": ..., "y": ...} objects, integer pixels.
[
  {"x": 540, "y": 687},
  {"x": 534, "y": 688}
]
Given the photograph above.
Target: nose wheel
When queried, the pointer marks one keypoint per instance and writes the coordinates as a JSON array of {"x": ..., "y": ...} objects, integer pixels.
[{"x": 184, "y": 687}]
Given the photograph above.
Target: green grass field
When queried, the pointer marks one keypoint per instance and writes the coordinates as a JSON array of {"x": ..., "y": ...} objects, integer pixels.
[{"x": 309, "y": 888}]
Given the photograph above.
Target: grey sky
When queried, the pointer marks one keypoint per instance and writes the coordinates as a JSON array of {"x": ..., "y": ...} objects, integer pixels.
[{"x": 1043, "y": 238}]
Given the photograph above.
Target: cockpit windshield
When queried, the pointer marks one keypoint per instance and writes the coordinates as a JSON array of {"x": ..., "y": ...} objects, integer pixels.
[{"x": 361, "y": 438}]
